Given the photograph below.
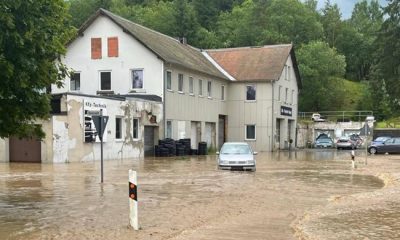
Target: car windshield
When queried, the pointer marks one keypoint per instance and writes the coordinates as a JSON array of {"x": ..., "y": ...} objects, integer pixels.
[
  {"x": 325, "y": 140},
  {"x": 235, "y": 149}
]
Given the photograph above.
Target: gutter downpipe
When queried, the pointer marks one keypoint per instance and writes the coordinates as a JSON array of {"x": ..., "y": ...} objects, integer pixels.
[
  {"x": 272, "y": 117},
  {"x": 164, "y": 97}
]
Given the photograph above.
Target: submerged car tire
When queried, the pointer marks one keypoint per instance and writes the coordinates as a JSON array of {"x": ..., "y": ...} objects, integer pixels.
[{"x": 372, "y": 150}]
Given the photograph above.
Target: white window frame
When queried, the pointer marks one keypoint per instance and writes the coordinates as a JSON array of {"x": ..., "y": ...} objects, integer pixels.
[
  {"x": 255, "y": 88},
  {"x": 191, "y": 86},
  {"x": 170, "y": 80},
  {"x": 121, "y": 128},
  {"x": 102, "y": 71},
  {"x": 289, "y": 73},
  {"x": 223, "y": 92},
  {"x": 279, "y": 93},
  {"x": 209, "y": 89},
  {"x": 180, "y": 80},
  {"x": 200, "y": 88},
  {"x": 255, "y": 132},
  {"x": 286, "y": 94},
  {"x": 70, "y": 80},
  {"x": 131, "y": 76},
  {"x": 166, "y": 134},
  {"x": 286, "y": 72},
  {"x": 138, "y": 129},
  {"x": 292, "y": 98}
]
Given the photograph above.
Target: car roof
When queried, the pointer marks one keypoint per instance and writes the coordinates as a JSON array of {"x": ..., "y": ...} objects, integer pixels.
[{"x": 236, "y": 143}]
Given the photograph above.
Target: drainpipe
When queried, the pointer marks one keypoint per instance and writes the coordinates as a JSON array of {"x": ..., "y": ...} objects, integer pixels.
[
  {"x": 164, "y": 97},
  {"x": 272, "y": 116}
]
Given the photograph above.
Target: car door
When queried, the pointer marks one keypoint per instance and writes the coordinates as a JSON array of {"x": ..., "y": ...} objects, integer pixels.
[
  {"x": 396, "y": 146},
  {"x": 386, "y": 146}
]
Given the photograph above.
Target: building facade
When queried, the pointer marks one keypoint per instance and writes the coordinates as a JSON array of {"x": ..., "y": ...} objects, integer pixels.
[{"x": 218, "y": 95}]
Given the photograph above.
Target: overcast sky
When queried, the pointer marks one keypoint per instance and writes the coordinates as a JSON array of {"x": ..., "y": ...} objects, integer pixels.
[{"x": 346, "y": 6}]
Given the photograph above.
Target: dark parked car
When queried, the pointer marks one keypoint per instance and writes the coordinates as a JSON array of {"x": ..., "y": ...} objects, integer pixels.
[
  {"x": 380, "y": 140},
  {"x": 391, "y": 145}
]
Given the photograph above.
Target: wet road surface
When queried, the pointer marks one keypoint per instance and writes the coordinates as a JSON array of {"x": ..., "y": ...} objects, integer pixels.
[{"x": 179, "y": 198}]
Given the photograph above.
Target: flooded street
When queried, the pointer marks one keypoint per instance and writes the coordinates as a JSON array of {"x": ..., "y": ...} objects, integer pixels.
[{"x": 188, "y": 198}]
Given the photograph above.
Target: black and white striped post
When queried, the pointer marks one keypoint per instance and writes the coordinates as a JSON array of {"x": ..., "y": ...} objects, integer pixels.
[{"x": 133, "y": 200}]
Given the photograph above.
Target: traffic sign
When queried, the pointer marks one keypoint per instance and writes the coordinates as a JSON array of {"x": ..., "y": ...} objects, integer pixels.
[{"x": 100, "y": 122}]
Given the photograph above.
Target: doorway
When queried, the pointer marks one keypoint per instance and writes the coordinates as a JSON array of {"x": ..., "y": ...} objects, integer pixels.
[
  {"x": 149, "y": 140},
  {"x": 221, "y": 130},
  {"x": 25, "y": 150}
]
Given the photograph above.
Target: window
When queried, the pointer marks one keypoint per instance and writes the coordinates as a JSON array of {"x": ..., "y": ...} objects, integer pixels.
[
  {"x": 105, "y": 80},
  {"x": 289, "y": 73},
  {"x": 279, "y": 93},
  {"x": 112, "y": 46},
  {"x": 75, "y": 83},
  {"x": 118, "y": 128},
  {"x": 180, "y": 82},
  {"x": 292, "y": 98},
  {"x": 222, "y": 92},
  {"x": 286, "y": 95},
  {"x": 191, "y": 85},
  {"x": 286, "y": 72},
  {"x": 96, "y": 48},
  {"x": 209, "y": 89},
  {"x": 250, "y": 132},
  {"x": 135, "y": 133},
  {"x": 200, "y": 87},
  {"x": 169, "y": 129},
  {"x": 137, "y": 78},
  {"x": 169, "y": 77},
  {"x": 251, "y": 93}
]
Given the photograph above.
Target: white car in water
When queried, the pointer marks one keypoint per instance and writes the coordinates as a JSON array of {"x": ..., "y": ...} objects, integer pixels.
[{"x": 236, "y": 156}]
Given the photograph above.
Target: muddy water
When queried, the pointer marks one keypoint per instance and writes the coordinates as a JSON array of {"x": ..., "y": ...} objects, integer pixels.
[{"x": 179, "y": 198}]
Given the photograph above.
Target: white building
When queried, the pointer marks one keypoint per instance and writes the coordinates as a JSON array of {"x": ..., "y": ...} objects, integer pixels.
[{"x": 241, "y": 94}]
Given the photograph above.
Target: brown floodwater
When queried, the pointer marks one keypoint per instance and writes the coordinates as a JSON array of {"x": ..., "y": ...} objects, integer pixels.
[{"x": 180, "y": 198}]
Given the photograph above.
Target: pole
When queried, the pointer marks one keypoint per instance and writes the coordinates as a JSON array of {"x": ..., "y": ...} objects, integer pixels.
[
  {"x": 366, "y": 141},
  {"x": 133, "y": 202},
  {"x": 101, "y": 143}
]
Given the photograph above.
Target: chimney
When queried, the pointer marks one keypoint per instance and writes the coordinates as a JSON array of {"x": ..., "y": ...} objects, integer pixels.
[{"x": 183, "y": 40}]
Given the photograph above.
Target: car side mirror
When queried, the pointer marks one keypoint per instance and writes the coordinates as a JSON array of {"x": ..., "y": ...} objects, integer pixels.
[
  {"x": 255, "y": 153},
  {"x": 217, "y": 153}
]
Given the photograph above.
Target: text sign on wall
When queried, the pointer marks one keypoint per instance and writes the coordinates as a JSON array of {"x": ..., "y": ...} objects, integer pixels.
[{"x": 286, "y": 111}]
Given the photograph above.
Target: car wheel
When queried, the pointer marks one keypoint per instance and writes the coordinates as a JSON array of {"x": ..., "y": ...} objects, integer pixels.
[{"x": 372, "y": 150}]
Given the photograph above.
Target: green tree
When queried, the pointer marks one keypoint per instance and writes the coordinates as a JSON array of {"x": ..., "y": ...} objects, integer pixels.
[
  {"x": 331, "y": 20},
  {"x": 81, "y": 10},
  {"x": 356, "y": 39},
  {"x": 290, "y": 21},
  {"x": 321, "y": 68},
  {"x": 387, "y": 67},
  {"x": 32, "y": 40}
]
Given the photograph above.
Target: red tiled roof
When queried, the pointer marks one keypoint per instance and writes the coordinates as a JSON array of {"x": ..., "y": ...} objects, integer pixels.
[{"x": 252, "y": 63}]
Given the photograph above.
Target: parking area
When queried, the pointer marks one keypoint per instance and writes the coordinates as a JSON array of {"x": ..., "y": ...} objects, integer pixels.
[{"x": 179, "y": 198}]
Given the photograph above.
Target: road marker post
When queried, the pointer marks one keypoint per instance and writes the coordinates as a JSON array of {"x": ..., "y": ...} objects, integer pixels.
[{"x": 133, "y": 201}]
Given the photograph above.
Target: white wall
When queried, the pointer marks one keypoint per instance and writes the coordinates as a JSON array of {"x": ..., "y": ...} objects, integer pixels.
[
  {"x": 68, "y": 131},
  {"x": 183, "y": 106},
  {"x": 132, "y": 55}
]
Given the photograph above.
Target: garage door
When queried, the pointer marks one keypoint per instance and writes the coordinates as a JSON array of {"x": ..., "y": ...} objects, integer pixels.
[{"x": 25, "y": 150}]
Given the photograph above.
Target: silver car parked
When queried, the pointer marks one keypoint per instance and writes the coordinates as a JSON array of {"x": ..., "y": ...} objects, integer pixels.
[{"x": 236, "y": 156}]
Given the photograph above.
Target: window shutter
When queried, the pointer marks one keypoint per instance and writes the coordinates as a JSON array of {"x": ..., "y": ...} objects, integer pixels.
[
  {"x": 113, "y": 46},
  {"x": 96, "y": 48}
]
